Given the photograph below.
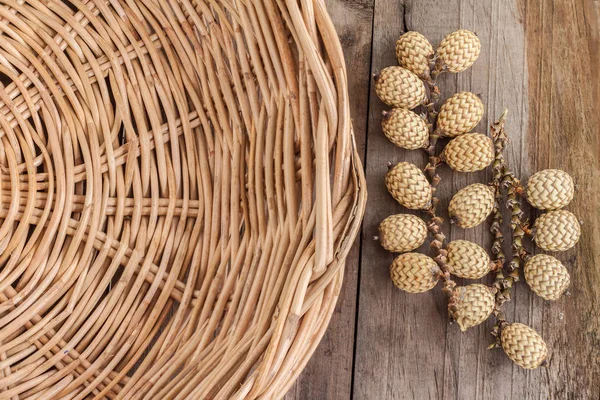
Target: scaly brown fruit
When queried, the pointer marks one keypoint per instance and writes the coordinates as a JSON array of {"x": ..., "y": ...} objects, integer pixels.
[
  {"x": 409, "y": 186},
  {"x": 468, "y": 260},
  {"x": 474, "y": 304},
  {"x": 414, "y": 52},
  {"x": 556, "y": 231},
  {"x": 414, "y": 272},
  {"x": 471, "y": 205},
  {"x": 400, "y": 88},
  {"x": 469, "y": 153},
  {"x": 550, "y": 189},
  {"x": 459, "y": 114},
  {"x": 459, "y": 50},
  {"x": 523, "y": 345},
  {"x": 546, "y": 276},
  {"x": 402, "y": 232},
  {"x": 405, "y": 129}
]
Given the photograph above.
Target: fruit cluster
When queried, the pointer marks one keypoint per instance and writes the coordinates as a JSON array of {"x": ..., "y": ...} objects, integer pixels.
[{"x": 412, "y": 85}]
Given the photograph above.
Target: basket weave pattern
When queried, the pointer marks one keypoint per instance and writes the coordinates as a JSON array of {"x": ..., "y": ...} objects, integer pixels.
[{"x": 169, "y": 222}]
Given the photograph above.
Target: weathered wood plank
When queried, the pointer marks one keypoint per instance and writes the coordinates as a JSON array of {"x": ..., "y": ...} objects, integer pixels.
[
  {"x": 329, "y": 373},
  {"x": 540, "y": 60}
]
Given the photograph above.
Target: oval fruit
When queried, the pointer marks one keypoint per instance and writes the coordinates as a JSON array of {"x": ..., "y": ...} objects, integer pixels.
[
  {"x": 398, "y": 87},
  {"x": 471, "y": 205},
  {"x": 409, "y": 186},
  {"x": 402, "y": 232},
  {"x": 556, "y": 231},
  {"x": 469, "y": 153},
  {"x": 414, "y": 272},
  {"x": 546, "y": 276},
  {"x": 550, "y": 189}
]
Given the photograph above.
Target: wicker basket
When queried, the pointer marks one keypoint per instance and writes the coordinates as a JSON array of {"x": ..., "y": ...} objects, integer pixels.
[{"x": 179, "y": 190}]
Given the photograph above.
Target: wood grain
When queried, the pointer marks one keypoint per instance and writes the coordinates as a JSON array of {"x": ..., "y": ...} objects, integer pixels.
[{"x": 540, "y": 59}]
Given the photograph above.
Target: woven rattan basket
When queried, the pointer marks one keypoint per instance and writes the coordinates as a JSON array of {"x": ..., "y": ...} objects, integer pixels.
[{"x": 179, "y": 190}]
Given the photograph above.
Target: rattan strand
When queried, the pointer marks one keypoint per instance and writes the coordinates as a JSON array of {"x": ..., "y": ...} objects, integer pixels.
[{"x": 170, "y": 224}]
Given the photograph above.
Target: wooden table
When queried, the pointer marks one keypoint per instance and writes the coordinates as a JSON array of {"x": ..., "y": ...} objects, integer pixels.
[{"x": 541, "y": 59}]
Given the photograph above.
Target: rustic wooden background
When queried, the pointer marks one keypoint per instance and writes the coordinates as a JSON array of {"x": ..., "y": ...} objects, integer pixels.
[{"x": 541, "y": 59}]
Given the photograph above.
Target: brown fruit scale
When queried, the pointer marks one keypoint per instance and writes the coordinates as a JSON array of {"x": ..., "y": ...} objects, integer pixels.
[
  {"x": 398, "y": 87},
  {"x": 556, "y": 231},
  {"x": 550, "y": 189},
  {"x": 474, "y": 304},
  {"x": 414, "y": 52},
  {"x": 402, "y": 232},
  {"x": 469, "y": 153},
  {"x": 471, "y": 205},
  {"x": 408, "y": 185},
  {"x": 459, "y": 114},
  {"x": 546, "y": 276},
  {"x": 523, "y": 345}
]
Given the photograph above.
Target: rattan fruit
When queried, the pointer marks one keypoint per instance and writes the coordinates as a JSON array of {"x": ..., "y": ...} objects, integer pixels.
[
  {"x": 523, "y": 345},
  {"x": 467, "y": 260},
  {"x": 546, "y": 276},
  {"x": 405, "y": 129},
  {"x": 408, "y": 185},
  {"x": 471, "y": 205},
  {"x": 474, "y": 304},
  {"x": 556, "y": 230},
  {"x": 460, "y": 114},
  {"x": 550, "y": 189},
  {"x": 469, "y": 153},
  {"x": 398, "y": 87},
  {"x": 402, "y": 232},
  {"x": 459, "y": 50},
  {"x": 414, "y": 52},
  {"x": 414, "y": 272}
]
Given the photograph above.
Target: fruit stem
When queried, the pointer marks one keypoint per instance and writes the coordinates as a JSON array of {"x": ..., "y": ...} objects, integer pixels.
[
  {"x": 434, "y": 225},
  {"x": 505, "y": 183}
]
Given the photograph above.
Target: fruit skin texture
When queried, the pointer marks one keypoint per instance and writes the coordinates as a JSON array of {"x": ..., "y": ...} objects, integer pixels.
[
  {"x": 402, "y": 232},
  {"x": 414, "y": 52},
  {"x": 546, "y": 276},
  {"x": 474, "y": 304},
  {"x": 471, "y": 205},
  {"x": 467, "y": 260},
  {"x": 408, "y": 185},
  {"x": 556, "y": 231},
  {"x": 460, "y": 114},
  {"x": 414, "y": 272},
  {"x": 523, "y": 345},
  {"x": 469, "y": 153},
  {"x": 405, "y": 129},
  {"x": 400, "y": 88},
  {"x": 550, "y": 189},
  {"x": 459, "y": 50}
]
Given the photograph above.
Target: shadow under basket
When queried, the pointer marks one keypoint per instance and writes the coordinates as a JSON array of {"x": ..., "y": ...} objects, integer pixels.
[{"x": 179, "y": 190}]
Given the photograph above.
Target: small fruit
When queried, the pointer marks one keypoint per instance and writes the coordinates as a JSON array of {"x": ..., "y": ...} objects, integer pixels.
[
  {"x": 398, "y": 87},
  {"x": 556, "y": 231},
  {"x": 402, "y": 232},
  {"x": 469, "y": 153},
  {"x": 467, "y": 260},
  {"x": 474, "y": 304},
  {"x": 546, "y": 276},
  {"x": 460, "y": 114},
  {"x": 471, "y": 205},
  {"x": 523, "y": 345},
  {"x": 414, "y": 52},
  {"x": 408, "y": 185},
  {"x": 405, "y": 129},
  {"x": 459, "y": 50},
  {"x": 550, "y": 189},
  {"x": 414, "y": 272}
]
